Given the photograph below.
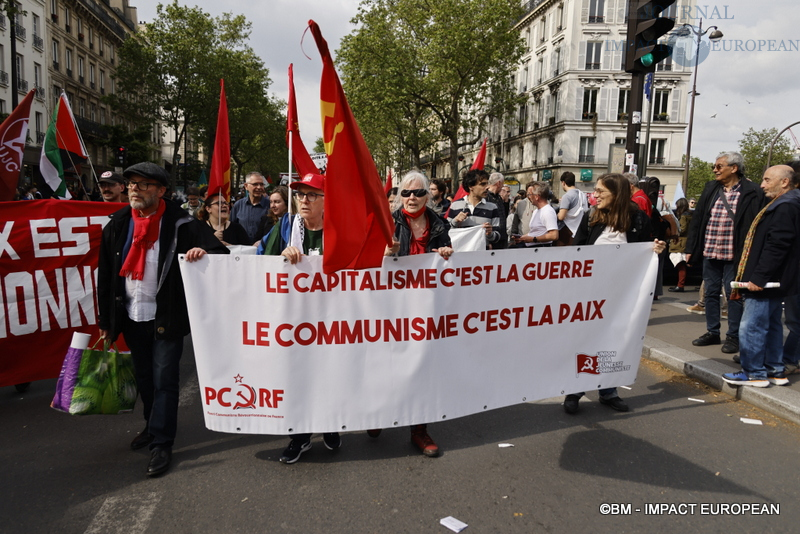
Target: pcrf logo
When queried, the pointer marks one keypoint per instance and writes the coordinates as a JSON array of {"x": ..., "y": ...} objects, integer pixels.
[
  {"x": 243, "y": 396},
  {"x": 587, "y": 364}
]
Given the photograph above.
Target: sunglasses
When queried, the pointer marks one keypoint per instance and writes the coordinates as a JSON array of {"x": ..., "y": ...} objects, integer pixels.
[{"x": 405, "y": 193}]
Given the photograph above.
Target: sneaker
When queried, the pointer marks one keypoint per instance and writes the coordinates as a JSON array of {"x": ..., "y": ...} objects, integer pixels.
[
  {"x": 332, "y": 440},
  {"x": 374, "y": 433},
  {"x": 741, "y": 379},
  {"x": 420, "y": 438},
  {"x": 696, "y": 308},
  {"x": 707, "y": 339},
  {"x": 571, "y": 404},
  {"x": 791, "y": 368},
  {"x": 676, "y": 289},
  {"x": 731, "y": 346},
  {"x": 294, "y": 450},
  {"x": 616, "y": 403},
  {"x": 723, "y": 314},
  {"x": 778, "y": 379}
]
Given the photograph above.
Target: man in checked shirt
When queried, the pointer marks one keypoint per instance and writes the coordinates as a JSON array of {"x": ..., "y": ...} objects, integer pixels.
[{"x": 723, "y": 215}]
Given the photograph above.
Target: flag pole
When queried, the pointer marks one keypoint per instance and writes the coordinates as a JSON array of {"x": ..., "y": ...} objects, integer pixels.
[{"x": 291, "y": 142}]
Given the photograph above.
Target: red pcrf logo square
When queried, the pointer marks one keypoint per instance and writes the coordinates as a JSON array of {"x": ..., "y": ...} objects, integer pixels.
[{"x": 587, "y": 364}]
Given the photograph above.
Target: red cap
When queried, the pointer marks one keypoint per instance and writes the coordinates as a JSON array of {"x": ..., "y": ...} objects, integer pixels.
[{"x": 317, "y": 181}]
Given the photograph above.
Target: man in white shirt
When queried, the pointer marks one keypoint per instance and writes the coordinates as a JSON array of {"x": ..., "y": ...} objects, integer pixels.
[{"x": 544, "y": 223}]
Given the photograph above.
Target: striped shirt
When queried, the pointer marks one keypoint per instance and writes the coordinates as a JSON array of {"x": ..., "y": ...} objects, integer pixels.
[
  {"x": 482, "y": 212},
  {"x": 719, "y": 232}
]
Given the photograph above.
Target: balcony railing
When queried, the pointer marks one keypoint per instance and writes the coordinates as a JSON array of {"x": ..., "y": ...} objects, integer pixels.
[
  {"x": 39, "y": 92},
  {"x": 622, "y": 116},
  {"x": 22, "y": 86},
  {"x": 662, "y": 66},
  {"x": 596, "y": 19},
  {"x": 91, "y": 84},
  {"x": 657, "y": 160},
  {"x": 54, "y": 17},
  {"x": 39, "y": 138},
  {"x": 56, "y": 66},
  {"x": 38, "y": 42},
  {"x": 20, "y": 32},
  {"x": 69, "y": 73},
  {"x": 80, "y": 79},
  {"x": 3, "y": 78},
  {"x": 589, "y": 115},
  {"x": 551, "y": 121},
  {"x": 593, "y": 66},
  {"x": 550, "y": 160},
  {"x": 91, "y": 127},
  {"x": 661, "y": 117},
  {"x": 586, "y": 158}
]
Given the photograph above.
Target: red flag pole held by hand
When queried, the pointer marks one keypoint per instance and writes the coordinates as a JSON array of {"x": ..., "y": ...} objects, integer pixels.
[
  {"x": 357, "y": 225},
  {"x": 219, "y": 183}
]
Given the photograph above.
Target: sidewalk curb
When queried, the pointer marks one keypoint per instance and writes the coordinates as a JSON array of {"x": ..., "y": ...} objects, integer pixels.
[{"x": 781, "y": 401}]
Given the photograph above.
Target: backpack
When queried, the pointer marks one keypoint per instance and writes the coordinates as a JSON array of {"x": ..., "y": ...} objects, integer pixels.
[{"x": 662, "y": 228}]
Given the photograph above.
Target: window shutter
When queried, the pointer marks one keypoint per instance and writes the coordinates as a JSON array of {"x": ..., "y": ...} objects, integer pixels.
[
  {"x": 675, "y": 107},
  {"x": 585, "y": 12},
  {"x": 602, "y": 108},
  {"x": 579, "y": 103}
]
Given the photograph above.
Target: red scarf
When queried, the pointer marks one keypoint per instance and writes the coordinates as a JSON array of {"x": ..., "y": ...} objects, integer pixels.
[
  {"x": 145, "y": 236},
  {"x": 417, "y": 245}
]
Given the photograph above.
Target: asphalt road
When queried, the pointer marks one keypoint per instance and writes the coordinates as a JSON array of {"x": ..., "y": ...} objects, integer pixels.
[{"x": 77, "y": 475}]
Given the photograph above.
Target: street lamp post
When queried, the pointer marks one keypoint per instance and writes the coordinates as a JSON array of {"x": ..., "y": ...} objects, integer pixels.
[{"x": 716, "y": 34}]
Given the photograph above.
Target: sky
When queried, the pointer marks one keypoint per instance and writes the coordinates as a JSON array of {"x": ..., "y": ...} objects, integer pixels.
[{"x": 747, "y": 82}]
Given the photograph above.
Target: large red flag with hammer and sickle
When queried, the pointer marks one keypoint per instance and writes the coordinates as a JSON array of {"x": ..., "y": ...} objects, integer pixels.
[{"x": 357, "y": 224}]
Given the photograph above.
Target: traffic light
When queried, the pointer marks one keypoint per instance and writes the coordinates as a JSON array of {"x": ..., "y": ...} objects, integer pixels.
[
  {"x": 645, "y": 27},
  {"x": 121, "y": 155}
]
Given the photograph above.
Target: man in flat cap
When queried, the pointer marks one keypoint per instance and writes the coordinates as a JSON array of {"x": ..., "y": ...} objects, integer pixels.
[
  {"x": 112, "y": 187},
  {"x": 140, "y": 294}
]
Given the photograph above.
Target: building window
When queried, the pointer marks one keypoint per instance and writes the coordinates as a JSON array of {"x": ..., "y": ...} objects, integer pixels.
[
  {"x": 102, "y": 115},
  {"x": 100, "y": 46},
  {"x": 68, "y": 58},
  {"x": 37, "y": 75},
  {"x": 38, "y": 121},
  {"x": 79, "y": 27},
  {"x": 55, "y": 55},
  {"x": 91, "y": 76},
  {"x": 596, "y": 8},
  {"x": 590, "y": 104},
  {"x": 624, "y": 104},
  {"x": 560, "y": 15},
  {"x": 82, "y": 107},
  {"x": 36, "y": 24},
  {"x": 660, "y": 105},
  {"x": 91, "y": 38},
  {"x": 620, "y": 141},
  {"x": 111, "y": 52},
  {"x": 54, "y": 8},
  {"x": 543, "y": 29},
  {"x": 593, "y": 51},
  {"x": 21, "y": 71},
  {"x": 540, "y": 71},
  {"x": 556, "y": 61},
  {"x": 664, "y": 65},
  {"x": 93, "y": 112},
  {"x": 586, "y": 154},
  {"x": 102, "y": 81},
  {"x": 657, "y": 151},
  {"x": 80, "y": 69},
  {"x": 67, "y": 20},
  {"x": 554, "y": 114}
]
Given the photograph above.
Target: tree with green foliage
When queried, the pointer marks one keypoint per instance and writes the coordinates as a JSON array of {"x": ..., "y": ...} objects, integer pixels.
[
  {"x": 170, "y": 72},
  {"x": 417, "y": 71},
  {"x": 700, "y": 174},
  {"x": 754, "y": 147}
]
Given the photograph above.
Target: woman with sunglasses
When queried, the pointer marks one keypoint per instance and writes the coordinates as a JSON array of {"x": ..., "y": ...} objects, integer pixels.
[
  {"x": 418, "y": 230},
  {"x": 616, "y": 219},
  {"x": 215, "y": 212}
]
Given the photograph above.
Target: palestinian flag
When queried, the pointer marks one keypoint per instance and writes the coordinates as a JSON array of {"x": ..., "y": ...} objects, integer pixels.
[{"x": 63, "y": 149}]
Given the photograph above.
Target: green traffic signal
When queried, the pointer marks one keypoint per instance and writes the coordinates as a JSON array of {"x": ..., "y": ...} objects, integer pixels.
[{"x": 647, "y": 60}]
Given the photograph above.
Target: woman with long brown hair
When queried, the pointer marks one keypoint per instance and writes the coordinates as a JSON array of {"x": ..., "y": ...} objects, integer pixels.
[{"x": 614, "y": 220}]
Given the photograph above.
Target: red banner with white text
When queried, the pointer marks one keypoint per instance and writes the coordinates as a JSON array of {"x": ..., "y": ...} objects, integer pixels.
[{"x": 48, "y": 277}]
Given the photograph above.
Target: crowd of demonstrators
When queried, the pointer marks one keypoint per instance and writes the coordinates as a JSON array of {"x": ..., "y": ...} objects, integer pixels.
[
  {"x": 770, "y": 254},
  {"x": 249, "y": 210},
  {"x": 724, "y": 214},
  {"x": 615, "y": 220},
  {"x": 418, "y": 230},
  {"x": 140, "y": 293},
  {"x": 544, "y": 222},
  {"x": 677, "y": 248},
  {"x": 474, "y": 209}
]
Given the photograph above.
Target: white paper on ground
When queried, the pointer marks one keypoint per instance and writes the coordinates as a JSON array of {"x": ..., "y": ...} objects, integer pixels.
[
  {"x": 453, "y": 524},
  {"x": 696, "y": 400},
  {"x": 750, "y": 421},
  {"x": 504, "y": 445}
]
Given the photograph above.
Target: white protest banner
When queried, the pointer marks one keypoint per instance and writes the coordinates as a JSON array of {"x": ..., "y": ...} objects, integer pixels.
[
  {"x": 287, "y": 349},
  {"x": 469, "y": 239}
]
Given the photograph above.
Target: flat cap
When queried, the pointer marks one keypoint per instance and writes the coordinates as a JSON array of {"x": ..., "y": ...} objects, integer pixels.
[{"x": 147, "y": 169}]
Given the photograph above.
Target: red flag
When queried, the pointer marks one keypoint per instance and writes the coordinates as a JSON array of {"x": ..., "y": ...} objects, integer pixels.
[
  {"x": 388, "y": 185},
  {"x": 300, "y": 158},
  {"x": 479, "y": 161},
  {"x": 219, "y": 183},
  {"x": 357, "y": 224},
  {"x": 13, "y": 133}
]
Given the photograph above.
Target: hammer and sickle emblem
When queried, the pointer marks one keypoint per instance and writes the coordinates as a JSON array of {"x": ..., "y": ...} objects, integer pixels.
[
  {"x": 248, "y": 403},
  {"x": 328, "y": 109}
]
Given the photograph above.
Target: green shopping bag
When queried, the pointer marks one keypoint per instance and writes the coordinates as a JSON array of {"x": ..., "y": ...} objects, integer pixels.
[{"x": 105, "y": 384}]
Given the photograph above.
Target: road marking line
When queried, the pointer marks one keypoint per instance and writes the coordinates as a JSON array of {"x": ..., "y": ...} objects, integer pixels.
[
  {"x": 131, "y": 515},
  {"x": 189, "y": 391}
]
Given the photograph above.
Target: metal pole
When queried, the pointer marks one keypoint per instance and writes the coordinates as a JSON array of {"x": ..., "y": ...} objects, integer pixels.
[
  {"x": 688, "y": 161},
  {"x": 635, "y": 117},
  {"x": 646, "y": 152}
]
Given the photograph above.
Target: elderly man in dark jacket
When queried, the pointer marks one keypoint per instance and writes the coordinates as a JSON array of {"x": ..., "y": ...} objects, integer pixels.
[
  {"x": 771, "y": 254},
  {"x": 141, "y": 295},
  {"x": 724, "y": 213}
]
